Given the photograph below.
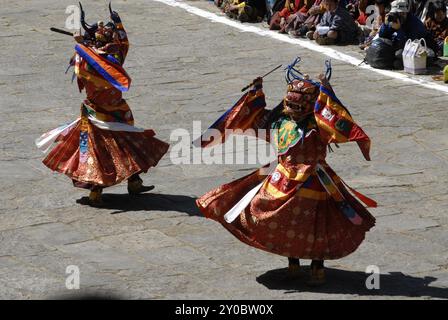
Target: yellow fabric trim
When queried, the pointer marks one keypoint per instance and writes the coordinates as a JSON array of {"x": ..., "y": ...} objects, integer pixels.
[
  {"x": 97, "y": 81},
  {"x": 273, "y": 191},
  {"x": 336, "y": 106},
  {"x": 293, "y": 175},
  {"x": 336, "y": 137},
  {"x": 311, "y": 194}
]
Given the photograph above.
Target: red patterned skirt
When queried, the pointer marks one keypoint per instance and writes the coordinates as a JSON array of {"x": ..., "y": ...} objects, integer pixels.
[
  {"x": 299, "y": 227},
  {"x": 111, "y": 157}
]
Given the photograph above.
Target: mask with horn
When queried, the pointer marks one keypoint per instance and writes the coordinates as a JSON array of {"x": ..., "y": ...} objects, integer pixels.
[
  {"x": 301, "y": 95},
  {"x": 114, "y": 15},
  {"x": 91, "y": 29}
]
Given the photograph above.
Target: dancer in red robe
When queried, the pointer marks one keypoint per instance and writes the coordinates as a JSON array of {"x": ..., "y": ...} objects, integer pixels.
[
  {"x": 302, "y": 209},
  {"x": 102, "y": 147}
]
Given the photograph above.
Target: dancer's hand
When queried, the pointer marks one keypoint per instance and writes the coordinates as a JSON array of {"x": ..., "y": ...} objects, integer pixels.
[
  {"x": 257, "y": 82},
  {"x": 323, "y": 80},
  {"x": 78, "y": 37}
]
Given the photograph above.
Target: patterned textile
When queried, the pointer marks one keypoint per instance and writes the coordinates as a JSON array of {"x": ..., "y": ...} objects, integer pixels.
[{"x": 109, "y": 157}]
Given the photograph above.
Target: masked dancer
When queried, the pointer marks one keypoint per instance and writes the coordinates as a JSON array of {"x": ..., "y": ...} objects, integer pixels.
[
  {"x": 102, "y": 147},
  {"x": 302, "y": 209}
]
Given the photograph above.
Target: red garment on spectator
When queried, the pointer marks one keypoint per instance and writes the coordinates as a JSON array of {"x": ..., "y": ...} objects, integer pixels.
[
  {"x": 362, "y": 18},
  {"x": 299, "y": 6}
]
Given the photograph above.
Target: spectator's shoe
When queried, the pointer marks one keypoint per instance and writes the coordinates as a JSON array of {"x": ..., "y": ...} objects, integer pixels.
[
  {"x": 294, "y": 33},
  {"x": 325, "y": 41},
  {"x": 243, "y": 17},
  {"x": 247, "y": 14},
  {"x": 310, "y": 35},
  {"x": 303, "y": 30}
]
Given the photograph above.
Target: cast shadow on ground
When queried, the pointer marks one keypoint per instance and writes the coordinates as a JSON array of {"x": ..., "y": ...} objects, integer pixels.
[
  {"x": 394, "y": 284},
  {"x": 86, "y": 296},
  {"x": 148, "y": 202}
]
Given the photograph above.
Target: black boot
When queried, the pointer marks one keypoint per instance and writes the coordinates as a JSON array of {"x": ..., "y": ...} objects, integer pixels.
[
  {"x": 293, "y": 268},
  {"x": 317, "y": 273},
  {"x": 95, "y": 198},
  {"x": 135, "y": 185}
]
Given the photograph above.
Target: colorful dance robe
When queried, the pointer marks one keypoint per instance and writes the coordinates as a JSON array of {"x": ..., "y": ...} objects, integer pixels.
[
  {"x": 302, "y": 209},
  {"x": 102, "y": 147}
]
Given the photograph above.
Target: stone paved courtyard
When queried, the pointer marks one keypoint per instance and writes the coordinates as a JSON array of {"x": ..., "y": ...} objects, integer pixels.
[{"x": 157, "y": 245}]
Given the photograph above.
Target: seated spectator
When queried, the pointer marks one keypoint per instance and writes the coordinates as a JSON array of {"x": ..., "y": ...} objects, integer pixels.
[
  {"x": 271, "y": 8},
  {"x": 245, "y": 10},
  {"x": 353, "y": 8},
  {"x": 381, "y": 7},
  {"x": 281, "y": 18},
  {"x": 302, "y": 22},
  {"x": 420, "y": 8},
  {"x": 362, "y": 8},
  {"x": 437, "y": 24},
  {"x": 337, "y": 26},
  {"x": 275, "y": 8},
  {"x": 401, "y": 25}
]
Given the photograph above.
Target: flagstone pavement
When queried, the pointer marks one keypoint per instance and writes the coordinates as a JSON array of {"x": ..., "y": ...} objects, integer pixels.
[{"x": 158, "y": 246}]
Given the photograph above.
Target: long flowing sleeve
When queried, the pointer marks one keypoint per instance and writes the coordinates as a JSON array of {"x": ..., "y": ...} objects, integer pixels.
[
  {"x": 249, "y": 112},
  {"x": 336, "y": 125}
]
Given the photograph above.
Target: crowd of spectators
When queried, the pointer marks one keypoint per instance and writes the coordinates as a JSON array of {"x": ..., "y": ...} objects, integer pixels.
[{"x": 344, "y": 22}]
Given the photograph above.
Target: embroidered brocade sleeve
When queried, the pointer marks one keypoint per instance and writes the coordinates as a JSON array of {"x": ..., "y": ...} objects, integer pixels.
[{"x": 244, "y": 118}]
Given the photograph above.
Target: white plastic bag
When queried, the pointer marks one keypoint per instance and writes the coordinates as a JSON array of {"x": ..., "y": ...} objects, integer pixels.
[{"x": 415, "y": 54}]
